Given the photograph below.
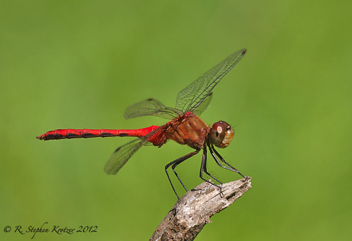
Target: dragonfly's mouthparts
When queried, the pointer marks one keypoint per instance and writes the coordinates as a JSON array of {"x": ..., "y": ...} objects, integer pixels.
[{"x": 228, "y": 138}]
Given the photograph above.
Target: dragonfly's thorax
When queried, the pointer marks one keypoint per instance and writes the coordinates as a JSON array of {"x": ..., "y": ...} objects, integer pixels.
[{"x": 188, "y": 129}]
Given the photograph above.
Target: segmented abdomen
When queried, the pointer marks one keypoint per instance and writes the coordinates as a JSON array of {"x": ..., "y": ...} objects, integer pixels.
[{"x": 89, "y": 133}]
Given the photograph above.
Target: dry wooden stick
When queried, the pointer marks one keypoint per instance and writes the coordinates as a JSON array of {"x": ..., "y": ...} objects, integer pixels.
[{"x": 193, "y": 211}]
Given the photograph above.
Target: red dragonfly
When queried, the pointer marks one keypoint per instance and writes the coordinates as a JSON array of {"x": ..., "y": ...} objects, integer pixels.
[{"x": 185, "y": 127}]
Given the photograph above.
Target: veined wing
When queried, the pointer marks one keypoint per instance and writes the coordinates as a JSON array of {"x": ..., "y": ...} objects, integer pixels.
[
  {"x": 122, "y": 154},
  {"x": 199, "y": 110},
  {"x": 191, "y": 97},
  {"x": 151, "y": 107}
]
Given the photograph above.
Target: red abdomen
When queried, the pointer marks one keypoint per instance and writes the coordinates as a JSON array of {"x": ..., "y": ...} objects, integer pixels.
[{"x": 89, "y": 133}]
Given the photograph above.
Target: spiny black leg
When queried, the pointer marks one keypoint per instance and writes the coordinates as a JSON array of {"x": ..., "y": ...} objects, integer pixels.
[
  {"x": 202, "y": 167},
  {"x": 174, "y": 164},
  {"x": 205, "y": 168},
  {"x": 223, "y": 160},
  {"x": 212, "y": 151}
]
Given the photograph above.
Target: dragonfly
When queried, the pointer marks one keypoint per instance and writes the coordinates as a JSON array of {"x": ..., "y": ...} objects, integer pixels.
[{"x": 184, "y": 126}]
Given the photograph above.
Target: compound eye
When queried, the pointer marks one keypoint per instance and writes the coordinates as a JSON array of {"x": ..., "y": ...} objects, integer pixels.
[
  {"x": 217, "y": 134},
  {"x": 221, "y": 134}
]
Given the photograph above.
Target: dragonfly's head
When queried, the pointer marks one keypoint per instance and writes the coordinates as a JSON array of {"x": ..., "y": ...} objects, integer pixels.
[{"x": 221, "y": 134}]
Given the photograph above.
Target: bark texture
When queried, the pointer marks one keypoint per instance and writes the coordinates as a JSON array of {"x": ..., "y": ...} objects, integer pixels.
[{"x": 193, "y": 211}]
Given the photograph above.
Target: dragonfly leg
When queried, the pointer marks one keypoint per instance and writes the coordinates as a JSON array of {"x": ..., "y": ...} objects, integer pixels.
[
  {"x": 203, "y": 168},
  {"x": 174, "y": 164},
  {"x": 206, "y": 170},
  {"x": 216, "y": 154}
]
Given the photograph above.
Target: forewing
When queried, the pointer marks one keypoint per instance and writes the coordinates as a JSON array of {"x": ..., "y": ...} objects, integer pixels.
[
  {"x": 198, "y": 111},
  {"x": 191, "y": 97},
  {"x": 150, "y": 107}
]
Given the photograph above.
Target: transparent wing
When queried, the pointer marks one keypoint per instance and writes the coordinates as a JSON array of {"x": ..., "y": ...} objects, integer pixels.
[
  {"x": 203, "y": 105},
  {"x": 121, "y": 155},
  {"x": 151, "y": 107},
  {"x": 191, "y": 97}
]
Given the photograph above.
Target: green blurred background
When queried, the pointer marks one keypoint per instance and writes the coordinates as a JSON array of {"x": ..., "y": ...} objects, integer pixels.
[{"x": 79, "y": 64}]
